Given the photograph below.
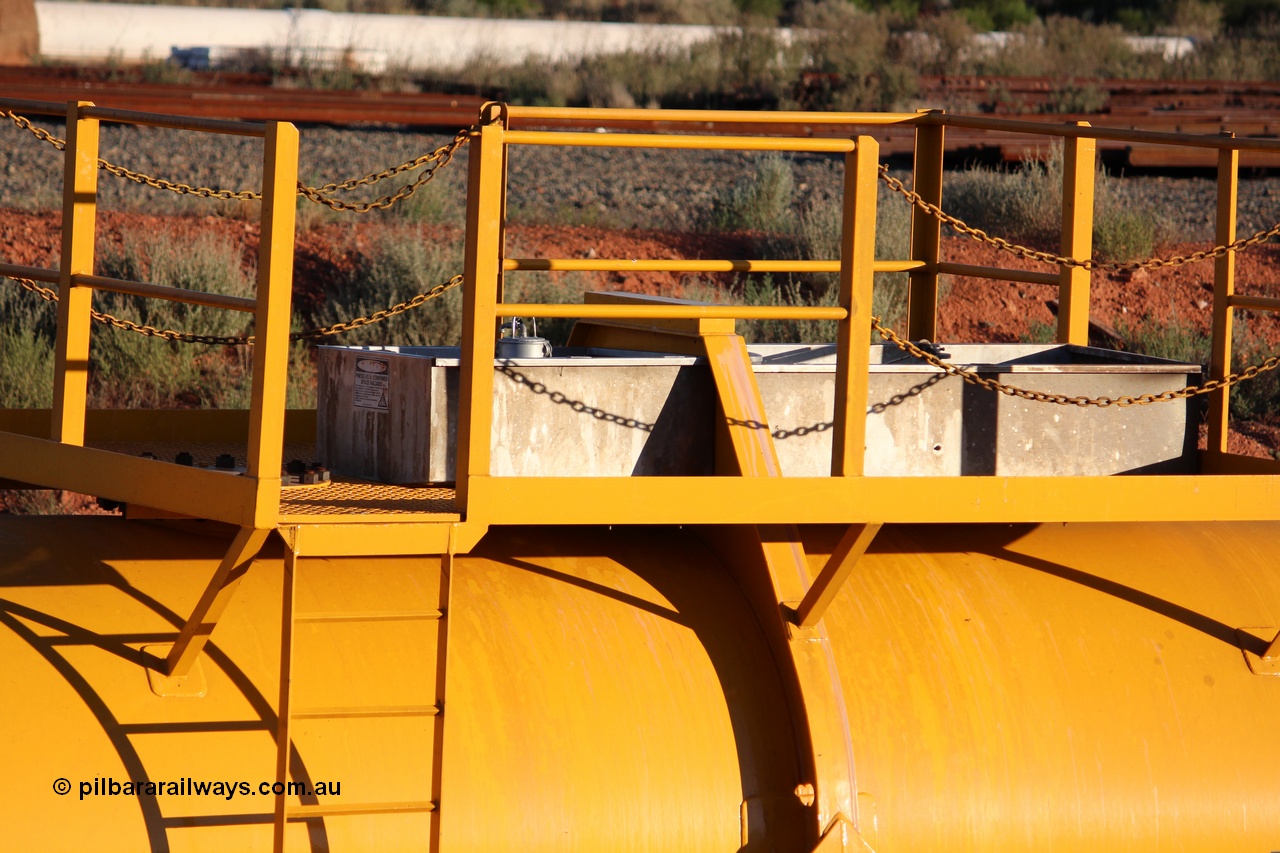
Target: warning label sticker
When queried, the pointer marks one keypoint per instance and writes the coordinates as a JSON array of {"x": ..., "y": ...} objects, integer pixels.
[{"x": 372, "y": 382}]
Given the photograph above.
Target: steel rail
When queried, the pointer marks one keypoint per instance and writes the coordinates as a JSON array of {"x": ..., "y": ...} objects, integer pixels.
[{"x": 1100, "y": 132}]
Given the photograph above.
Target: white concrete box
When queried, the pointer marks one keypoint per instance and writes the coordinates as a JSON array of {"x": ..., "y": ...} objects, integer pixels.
[{"x": 390, "y": 413}]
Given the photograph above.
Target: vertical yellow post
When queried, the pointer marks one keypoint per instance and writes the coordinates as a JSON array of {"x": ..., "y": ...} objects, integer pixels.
[
  {"x": 271, "y": 321},
  {"x": 857, "y": 280},
  {"x": 1224, "y": 287},
  {"x": 1077, "y": 238},
  {"x": 483, "y": 272},
  {"x": 926, "y": 232},
  {"x": 79, "y": 213}
]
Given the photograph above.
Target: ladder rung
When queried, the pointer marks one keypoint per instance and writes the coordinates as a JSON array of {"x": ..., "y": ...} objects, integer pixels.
[
  {"x": 335, "y": 809},
  {"x": 366, "y": 711},
  {"x": 368, "y": 616}
]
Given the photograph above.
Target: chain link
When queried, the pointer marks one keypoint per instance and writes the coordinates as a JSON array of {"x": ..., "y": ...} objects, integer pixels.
[
  {"x": 40, "y": 133},
  {"x": 442, "y": 155},
  {"x": 1028, "y": 253},
  {"x": 50, "y": 295},
  {"x": 434, "y": 160},
  {"x": 968, "y": 375},
  {"x": 974, "y": 378}
]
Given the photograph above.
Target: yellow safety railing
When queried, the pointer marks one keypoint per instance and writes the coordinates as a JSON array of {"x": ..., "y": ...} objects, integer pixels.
[
  {"x": 486, "y": 266},
  {"x": 253, "y": 500},
  {"x": 250, "y": 500},
  {"x": 487, "y": 263},
  {"x": 1073, "y": 281}
]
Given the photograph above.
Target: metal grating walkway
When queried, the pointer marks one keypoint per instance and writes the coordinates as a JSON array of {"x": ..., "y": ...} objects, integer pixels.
[{"x": 341, "y": 498}]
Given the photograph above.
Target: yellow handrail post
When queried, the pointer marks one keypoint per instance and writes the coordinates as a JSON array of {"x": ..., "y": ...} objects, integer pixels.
[
  {"x": 926, "y": 232},
  {"x": 483, "y": 271},
  {"x": 1224, "y": 288},
  {"x": 79, "y": 214},
  {"x": 271, "y": 322},
  {"x": 1078, "y": 154},
  {"x": 857, "y": 282}
]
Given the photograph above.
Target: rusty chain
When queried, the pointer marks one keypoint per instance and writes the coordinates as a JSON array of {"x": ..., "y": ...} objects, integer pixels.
[
  {"x": 968, "y": 375},
  {"x": 50, "y": 295},
  {"x": 433, "y": 160},
  {"x": 974, "y": 378},
  {"x": 1030, "y": 254},
  {"x": 442, "y": 155}
]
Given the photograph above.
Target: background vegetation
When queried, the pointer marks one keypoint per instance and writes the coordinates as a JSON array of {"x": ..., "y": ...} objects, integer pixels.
[{"x": 833, "y": 54}]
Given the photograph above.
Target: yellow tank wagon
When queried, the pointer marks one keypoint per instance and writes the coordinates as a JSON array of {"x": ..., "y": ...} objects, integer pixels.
[{"x": 735, "y": 659}]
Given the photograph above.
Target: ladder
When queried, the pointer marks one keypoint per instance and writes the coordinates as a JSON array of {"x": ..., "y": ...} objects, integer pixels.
[{"x": 365, "y": 720}]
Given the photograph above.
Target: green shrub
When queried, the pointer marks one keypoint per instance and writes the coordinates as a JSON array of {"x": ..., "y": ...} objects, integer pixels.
[
  {"x": 1123, "y": 234},
  {"x": 402, "y": 264},
  {"x": 820, "y": 231},
  {"x": 443, "y": 199},
  {"x": 31, "y": 502},
  {"x": 1171, "y": 338},
  {"x": 1258, "y": 397},
  {"x": 759, "y": 202},
  {"x": 1040, "y": 333},
  {"x": 1026, "y": 204},
  {"x": 1067, "y": 48},
  {"x": 1021, "y": 203},
  {"x": 858, "y": 48},
  {"x": 129, "y": 369},
  {"x": 26, "y": 369}
]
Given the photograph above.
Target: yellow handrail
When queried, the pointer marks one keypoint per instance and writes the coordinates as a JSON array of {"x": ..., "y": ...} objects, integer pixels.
[
  {"x": 670, "y": 140},
  {"x": 685, "y": 265},
  {"x": 668, "y": 312},
  {"x": 715, "y": 116},
  {"x": 169, "y": 294}
]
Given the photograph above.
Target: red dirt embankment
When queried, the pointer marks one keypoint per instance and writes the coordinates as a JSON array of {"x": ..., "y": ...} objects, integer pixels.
[{"x": 971, "y": 310}]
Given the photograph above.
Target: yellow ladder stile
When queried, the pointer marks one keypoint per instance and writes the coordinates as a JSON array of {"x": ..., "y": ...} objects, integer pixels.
[{"x": 300, "y": 763}]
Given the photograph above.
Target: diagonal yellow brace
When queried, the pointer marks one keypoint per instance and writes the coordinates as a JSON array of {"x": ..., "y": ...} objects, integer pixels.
[
  {"x": 744, "y": 413},
  {"x": 820, "y": 710},
  {"x": 208, "y": 610},
  {"x": 839, "y": 566}
]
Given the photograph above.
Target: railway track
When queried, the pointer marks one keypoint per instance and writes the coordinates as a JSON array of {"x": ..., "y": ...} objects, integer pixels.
[{"x": 1245, "y": 109}]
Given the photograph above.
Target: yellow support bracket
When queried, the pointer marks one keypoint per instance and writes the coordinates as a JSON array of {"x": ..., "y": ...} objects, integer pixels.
[
  {"x": 842, "y": 835},
  {"x": 217, "y": 595},
  {"x": 680, "y": 337},
  {"x": 839, "y": 566},
  {"x": 1273, "y": 651}
]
